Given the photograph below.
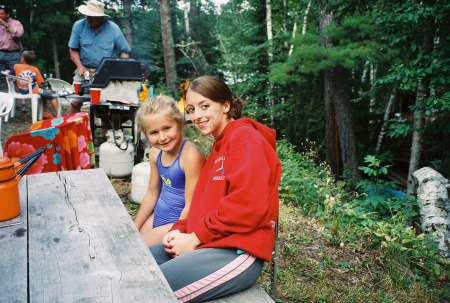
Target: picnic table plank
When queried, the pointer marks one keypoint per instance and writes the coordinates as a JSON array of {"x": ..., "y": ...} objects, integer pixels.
[
  {"x": 13, "y": 254},
  {"x": 252, "y": 294},
  {"x": 106, "y": 258}
]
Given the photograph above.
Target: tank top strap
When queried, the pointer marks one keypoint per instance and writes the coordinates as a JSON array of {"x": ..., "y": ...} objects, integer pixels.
[
  {"x": 158, "y": 158},
  {"x": 182, "y": 146}
]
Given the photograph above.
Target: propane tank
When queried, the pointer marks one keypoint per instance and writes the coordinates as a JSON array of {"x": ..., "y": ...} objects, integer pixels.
[
  {"x": 117, "y": 154},
  {"x": 139, "y": 181}
]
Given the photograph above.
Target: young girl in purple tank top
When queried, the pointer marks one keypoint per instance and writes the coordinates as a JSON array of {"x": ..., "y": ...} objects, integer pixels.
[{"x": 172, "y": 160}]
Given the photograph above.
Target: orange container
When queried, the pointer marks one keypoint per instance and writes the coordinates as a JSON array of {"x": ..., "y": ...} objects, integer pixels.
[
  {"x": 9, "y": 190},
  {"x": 9, "y": 183}
]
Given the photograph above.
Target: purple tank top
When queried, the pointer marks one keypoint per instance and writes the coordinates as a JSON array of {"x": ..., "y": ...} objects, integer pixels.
[{"x": 171, "y": 200}]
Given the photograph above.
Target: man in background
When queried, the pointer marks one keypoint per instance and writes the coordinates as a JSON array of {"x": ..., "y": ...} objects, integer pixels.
[
  {"x": 92, "y": 39},
  {"x": 11, "y": 32}
]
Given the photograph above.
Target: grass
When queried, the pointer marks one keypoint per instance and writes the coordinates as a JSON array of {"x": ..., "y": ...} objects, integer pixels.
[{"x": 312, "y": 269}]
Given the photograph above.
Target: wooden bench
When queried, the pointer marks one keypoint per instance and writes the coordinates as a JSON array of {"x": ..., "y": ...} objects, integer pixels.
[{"x": 254, "y": 294}]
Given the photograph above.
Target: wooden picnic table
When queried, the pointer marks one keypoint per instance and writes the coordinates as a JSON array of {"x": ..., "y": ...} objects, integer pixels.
[{"x": 77, "y": 243}]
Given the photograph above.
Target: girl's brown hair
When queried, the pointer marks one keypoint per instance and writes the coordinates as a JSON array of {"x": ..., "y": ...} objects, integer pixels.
[{"x": 216, "y": 90}]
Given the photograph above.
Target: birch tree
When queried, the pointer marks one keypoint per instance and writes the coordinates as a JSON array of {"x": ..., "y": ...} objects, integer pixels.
[
  {"x": 422, "y": 91},
  {"x": 270, "y": 55}
]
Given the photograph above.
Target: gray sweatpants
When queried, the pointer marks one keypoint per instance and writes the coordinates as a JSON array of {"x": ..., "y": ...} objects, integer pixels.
[{"x": 208, "y": 273}]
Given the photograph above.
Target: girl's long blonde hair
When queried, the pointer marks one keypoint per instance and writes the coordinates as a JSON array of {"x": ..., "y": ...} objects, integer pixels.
[{"x": 159, "y": 104}]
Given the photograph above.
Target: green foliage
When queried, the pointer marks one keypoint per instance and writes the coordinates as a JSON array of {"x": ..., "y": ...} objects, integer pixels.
[
  {"x": 304, "y": 182},
  {"x": 399, "y": 128},
  {"x": 373, "y": 168},
  {"x": 403, "y": 25},
  {"x": 378, "y": 196},
  {"x": 204, "y": 143},
  {"x": 373, "y": 216},
  {"x": 134, "y": 208}
]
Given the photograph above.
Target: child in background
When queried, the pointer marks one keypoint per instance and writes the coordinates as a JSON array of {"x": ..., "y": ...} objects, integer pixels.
[
  {"x": 175, "y": 168},
  {"x": 27, "y": 71}
]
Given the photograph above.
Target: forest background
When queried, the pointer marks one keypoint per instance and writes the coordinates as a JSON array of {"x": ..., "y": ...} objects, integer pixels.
[{"x": 363, "y": 86}]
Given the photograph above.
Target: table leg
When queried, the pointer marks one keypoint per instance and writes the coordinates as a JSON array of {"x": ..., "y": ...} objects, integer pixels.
[{"x": 92, "y": 121}]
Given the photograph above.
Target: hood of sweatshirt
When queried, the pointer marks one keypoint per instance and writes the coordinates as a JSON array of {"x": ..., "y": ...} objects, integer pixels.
[{"x": 268, "y": 133}]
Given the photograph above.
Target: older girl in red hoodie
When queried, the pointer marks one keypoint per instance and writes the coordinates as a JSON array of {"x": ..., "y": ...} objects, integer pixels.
[{"x": 220, "y": 248}]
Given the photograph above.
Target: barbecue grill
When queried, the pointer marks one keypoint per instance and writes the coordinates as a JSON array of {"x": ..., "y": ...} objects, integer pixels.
[{"x": 120, "y": 80}]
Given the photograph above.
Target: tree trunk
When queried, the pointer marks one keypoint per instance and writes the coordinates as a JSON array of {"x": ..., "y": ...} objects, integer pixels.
[
  {"x": 339, "y": 133},
  {"x": 386, "y": 118},
  {"x": 192, "y": 16},
  {"x": 363, "y": 78},
  {"x": 168, "y": 45},
  {"x": 331, "y": 128},
  {"x": 344, "y": 117},
  {"x": 270, "y": 55},
  {"x": 31, "y": 17},
  {"x": 305, "y": 18},
  {"x": 128, "y": 21},
  {"x": 186, "y": 20},
  {"x": 305, "y": 22},
  {"x": 291, "y": 48},
  {"x": 434, "y": 207},
  {"x": 55, "y": 57},
  {"x": 286, "y": 45},
  {"x": 417, "y": 139},
  {"x": 269, "y": 29}
]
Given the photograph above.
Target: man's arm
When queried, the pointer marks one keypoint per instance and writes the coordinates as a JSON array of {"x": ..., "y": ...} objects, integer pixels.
[
  {"x": 124, "y": 55},
  {"x": 15, "y": 29},
  {"x": 75, "y": 56}
]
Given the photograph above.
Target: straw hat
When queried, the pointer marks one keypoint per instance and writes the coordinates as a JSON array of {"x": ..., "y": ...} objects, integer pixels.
[{"x": 93, "y": 8}]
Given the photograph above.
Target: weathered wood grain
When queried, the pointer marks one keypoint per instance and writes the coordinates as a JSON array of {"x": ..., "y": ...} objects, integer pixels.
[
  {"x": 254, "y": 294},
  {"x": 13, "y": 254},
  {"x": 83, "y": 245}
]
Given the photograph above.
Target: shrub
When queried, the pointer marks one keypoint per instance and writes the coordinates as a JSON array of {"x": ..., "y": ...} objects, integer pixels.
[
  {"x": 376, "y": 214},
  {"x": 305, "y": 182}
]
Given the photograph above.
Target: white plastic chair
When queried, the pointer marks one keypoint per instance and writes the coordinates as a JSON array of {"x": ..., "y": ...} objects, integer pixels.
[
  {"x": 6, "y": 104},
  {"x": 60, "y": 87},
  {"x": 36, "y": 106}
]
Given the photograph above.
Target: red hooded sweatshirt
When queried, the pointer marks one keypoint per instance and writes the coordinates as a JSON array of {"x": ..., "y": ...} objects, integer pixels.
[{"x": 235, "y": 203}]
